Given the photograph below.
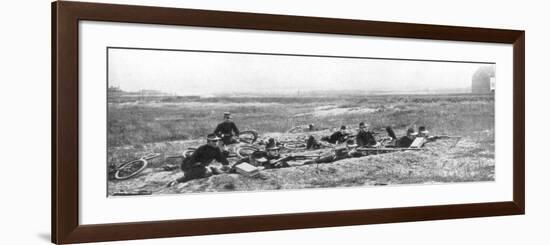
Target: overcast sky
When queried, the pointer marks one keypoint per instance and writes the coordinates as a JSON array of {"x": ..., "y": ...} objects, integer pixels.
[{"x": 199, "y": 73}]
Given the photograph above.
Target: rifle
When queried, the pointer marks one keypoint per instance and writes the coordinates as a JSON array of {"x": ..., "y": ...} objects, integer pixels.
[
  {"x": 437, "y": 137},
  {"x": 387, "y": 149},
  {"x": 291, "y": 158}
]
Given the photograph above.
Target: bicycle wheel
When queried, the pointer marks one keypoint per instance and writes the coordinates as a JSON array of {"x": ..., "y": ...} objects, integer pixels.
[
  {"x": 248, "y": 136},
  {"x": 245, "y": 151},
  {"x": 296, "y": 129},
  {"x": 296, "y": 145},
  {"x": 130, "y": 169}
]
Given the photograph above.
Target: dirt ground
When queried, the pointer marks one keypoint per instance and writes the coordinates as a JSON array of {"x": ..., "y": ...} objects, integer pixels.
[{"x": 442, "y": 161}]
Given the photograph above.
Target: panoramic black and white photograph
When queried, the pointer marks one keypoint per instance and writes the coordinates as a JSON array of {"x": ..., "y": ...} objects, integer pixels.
[{"x": 196, "y": 121}]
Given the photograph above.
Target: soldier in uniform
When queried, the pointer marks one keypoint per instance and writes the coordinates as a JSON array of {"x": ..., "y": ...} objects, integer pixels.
[
  {"x": 337, "y": 137},
  {"x": 196, "y": 165},
  {"x": 407, "y": 140},
  {"x": 312, "y": 143},
  {"x": 365, "y": 137},
  {"x": 227, "y": 130},
  {"x": 422, "y": 132},
  {"x": 271, "y": 142}
]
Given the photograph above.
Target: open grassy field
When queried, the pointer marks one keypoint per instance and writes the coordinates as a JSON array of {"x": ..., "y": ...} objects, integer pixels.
[
  {"x": 133, "y": 123},
  {"x": 170, "y": 125}
]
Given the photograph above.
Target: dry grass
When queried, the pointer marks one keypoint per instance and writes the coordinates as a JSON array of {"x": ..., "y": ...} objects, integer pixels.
[
  {"x": 157, "y": 121},
  {"x": 135, "y": 129}
]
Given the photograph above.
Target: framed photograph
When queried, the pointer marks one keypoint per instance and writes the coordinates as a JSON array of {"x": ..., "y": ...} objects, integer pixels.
[{"x": 176, "y": 122}]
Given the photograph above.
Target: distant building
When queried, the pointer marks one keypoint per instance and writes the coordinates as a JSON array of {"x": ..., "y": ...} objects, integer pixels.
[
  {"x": 114, "y": 89},
  {"x": 483, "y": 80}
]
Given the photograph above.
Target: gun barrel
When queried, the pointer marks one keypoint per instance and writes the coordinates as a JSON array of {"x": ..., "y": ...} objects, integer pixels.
[
  {"x": 446, "y": 136},
  {"x": 307, "y": 156},
  {"x": 389, "y": 149}
]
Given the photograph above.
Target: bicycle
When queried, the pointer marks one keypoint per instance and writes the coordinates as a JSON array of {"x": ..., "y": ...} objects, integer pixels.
[
  {"x": 248, "y": 136},
  {"x": 189, "y": 151},
  {"x": 243, "y": 151},
  {"x": 246, "y": 150},
  {"x": 132, "y": 168}
]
